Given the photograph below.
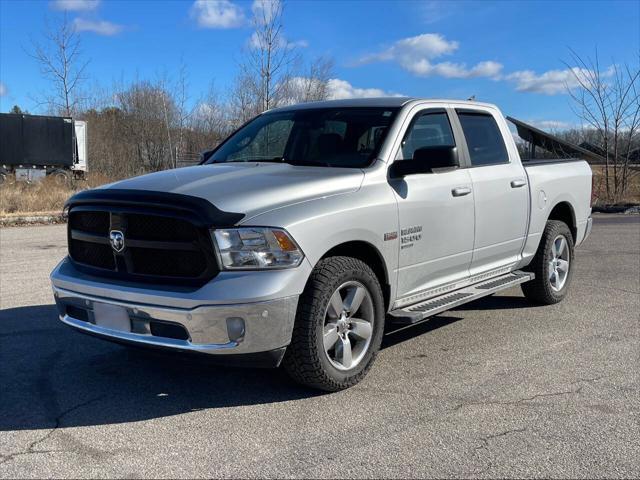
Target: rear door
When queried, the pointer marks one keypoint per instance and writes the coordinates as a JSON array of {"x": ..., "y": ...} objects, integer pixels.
[
  {"x": 435, "y": 213},
  {"x": 500, "y": 189}
]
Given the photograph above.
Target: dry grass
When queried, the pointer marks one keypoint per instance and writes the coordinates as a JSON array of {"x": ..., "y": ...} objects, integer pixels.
[
  {"x": 632, "y": 194},
  {"x": 20, "y": 198}
]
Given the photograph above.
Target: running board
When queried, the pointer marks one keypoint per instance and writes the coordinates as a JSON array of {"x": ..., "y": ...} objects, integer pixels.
[{"x": 420, "y": 311}]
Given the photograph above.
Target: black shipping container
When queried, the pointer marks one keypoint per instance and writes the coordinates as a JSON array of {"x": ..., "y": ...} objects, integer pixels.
[{"x": 36, "y": 140}]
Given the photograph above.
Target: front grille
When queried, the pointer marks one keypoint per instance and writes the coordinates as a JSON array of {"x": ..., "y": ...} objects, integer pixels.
[
  {"x": 94, "y": 254},
  {"x": 157, "y": 247},
  {"x": 160, "y": 228},
  {"x": 180, "y": 263},
  {"x": 91, "y": 222}
]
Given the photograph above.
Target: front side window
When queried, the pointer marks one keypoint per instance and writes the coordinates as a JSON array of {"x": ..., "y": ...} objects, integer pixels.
[
  {"x": 484, "y": 139},
  {"x": 428, "y": 130},
  {"x": 334, "y": 137}
]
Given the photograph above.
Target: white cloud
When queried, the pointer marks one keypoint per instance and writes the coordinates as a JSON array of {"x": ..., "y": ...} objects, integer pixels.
[
  {"x": 298, "y": 44},
  {"x": 75, "y": 5},
  {"x": 264, "y": 10},
  {"x": 552, "y": 82},
  {"x": 425, "y": 46},
  {"x": 459, "y": 70},
  {"x": 434, "y": 11},
  {"x": 256, "y": 42},
  {"x": 217, "y": 14},
  {"x": 340, "y": 89},
  {"x": 101, "y": 27},
  {"x": 416, "y": 55},
  {"x": 3, "y": 89}
]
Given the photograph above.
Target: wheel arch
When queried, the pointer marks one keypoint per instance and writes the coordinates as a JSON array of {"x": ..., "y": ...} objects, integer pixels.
[
  {"x": 564, "y": 212},
  {"x": 369, "y": 254}
]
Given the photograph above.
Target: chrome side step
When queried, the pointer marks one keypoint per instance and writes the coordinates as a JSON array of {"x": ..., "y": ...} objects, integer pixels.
[{"x": 421, "y": 311}]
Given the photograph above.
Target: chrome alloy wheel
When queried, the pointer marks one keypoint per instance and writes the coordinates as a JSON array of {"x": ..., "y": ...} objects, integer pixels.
[
  {"x": 559, "y": 264},
  {"x": 348, "y": 325}
]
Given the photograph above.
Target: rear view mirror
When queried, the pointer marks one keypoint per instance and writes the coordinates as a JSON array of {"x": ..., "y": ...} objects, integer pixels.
[{"x": 425, "y": 160}]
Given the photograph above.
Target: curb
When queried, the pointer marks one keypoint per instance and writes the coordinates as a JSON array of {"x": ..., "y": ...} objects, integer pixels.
[
  {"x": 627, "y": 209},
  {"x": 31, "y": 220}
]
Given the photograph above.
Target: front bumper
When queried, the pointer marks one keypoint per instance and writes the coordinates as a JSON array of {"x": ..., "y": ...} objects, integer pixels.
[{"x": 226, "y": 330}]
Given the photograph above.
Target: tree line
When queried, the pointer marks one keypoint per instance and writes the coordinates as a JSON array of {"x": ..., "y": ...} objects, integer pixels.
[
  {"x": 152, "y": 124},
  {"x": 147, "y": 125}
]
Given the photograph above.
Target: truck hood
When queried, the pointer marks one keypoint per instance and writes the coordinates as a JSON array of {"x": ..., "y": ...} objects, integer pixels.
[{"x": 249, "y": 188}]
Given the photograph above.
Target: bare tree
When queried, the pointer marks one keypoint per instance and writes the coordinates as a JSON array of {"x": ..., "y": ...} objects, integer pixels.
[
  {"x": 608, "y": 101},
  {"x": 243, "y": 103},
  {"x": 61, "y": 62},
  {"x": 266, "y": 66},
  {"x": 182, "y": 99},
  {"x": 150, "y": 115},
  {"x": 312, "y": 84}
]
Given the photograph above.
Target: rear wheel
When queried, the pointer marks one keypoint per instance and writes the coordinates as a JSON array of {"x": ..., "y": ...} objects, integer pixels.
[
  {"x": 339, "y": 325},
  {"x": 552, "y": 264},
  {"x": 60, "y": 177}
]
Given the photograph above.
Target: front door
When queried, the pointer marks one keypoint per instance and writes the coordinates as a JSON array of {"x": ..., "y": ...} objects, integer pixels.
[{"x": 436, "y": 214}]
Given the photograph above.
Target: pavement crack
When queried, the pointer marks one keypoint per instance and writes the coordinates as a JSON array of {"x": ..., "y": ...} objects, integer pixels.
[
  {"x": 459, "y": 406},
  {"x": 31, "y": 448},
  {"x": 588, "y": 380},
  {"x": 523, "y": 400},
  {"x": 486, "y": 440},
  {"x": 611, "y": 288}
]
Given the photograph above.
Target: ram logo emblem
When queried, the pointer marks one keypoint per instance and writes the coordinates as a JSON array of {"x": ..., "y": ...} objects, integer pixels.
[{"x": 116, "y": 238}]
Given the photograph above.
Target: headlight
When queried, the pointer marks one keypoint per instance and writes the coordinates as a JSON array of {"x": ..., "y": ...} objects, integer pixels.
[{"x": 250, "y": 248}]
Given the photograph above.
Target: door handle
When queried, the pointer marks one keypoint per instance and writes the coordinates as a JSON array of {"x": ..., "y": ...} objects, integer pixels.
[
  {"x": 460, "y": 191},
  {"x": 518, "y": 183}
]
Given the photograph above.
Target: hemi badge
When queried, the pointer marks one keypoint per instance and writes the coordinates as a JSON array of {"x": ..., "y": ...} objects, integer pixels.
[{"x": 390, "y": 236}]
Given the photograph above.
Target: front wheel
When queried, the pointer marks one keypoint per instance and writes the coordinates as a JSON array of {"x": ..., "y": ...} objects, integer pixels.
[
  {"x": 339, "y": 325},
  {"x": 552, "y": 264}
]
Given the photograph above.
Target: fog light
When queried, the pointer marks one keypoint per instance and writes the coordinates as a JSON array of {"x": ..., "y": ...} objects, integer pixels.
[{"x": 235, "y": 329}]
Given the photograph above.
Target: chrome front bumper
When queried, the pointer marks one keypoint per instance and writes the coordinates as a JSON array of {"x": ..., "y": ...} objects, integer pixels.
[{"x": 221, "y": 329}]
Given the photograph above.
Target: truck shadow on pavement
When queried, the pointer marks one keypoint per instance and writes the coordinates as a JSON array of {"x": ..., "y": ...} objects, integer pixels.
[
  {"x": 51, "y": 376},
  {"x": 496, "y": 302}
]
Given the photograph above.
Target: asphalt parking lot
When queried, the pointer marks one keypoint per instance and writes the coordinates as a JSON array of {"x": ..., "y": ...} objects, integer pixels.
[{"x": 496, "y": 388}]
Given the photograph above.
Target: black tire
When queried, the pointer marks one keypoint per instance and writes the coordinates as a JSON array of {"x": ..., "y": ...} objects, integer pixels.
[
  {"x": 61, "y": 177},
  {"x": 540, "y": 290},
  {"x": 305, "y": 360}
]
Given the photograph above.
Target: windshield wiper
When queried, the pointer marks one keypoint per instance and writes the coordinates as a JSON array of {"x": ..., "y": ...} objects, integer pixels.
[
  {"x": 253, "y": 160},
  {"x": 273, "y": 160},
  {"x": 311, "y": 164}
]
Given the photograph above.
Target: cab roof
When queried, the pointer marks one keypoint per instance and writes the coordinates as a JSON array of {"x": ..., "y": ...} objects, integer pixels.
[{"x": 380, "y": 102}]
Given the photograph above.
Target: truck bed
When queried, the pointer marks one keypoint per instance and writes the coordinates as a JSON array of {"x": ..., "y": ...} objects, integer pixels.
[{"x": 552, "y": 182}]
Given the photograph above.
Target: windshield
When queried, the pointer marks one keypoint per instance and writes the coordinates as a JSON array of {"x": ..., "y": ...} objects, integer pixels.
[{"x": 332, "y": 137}]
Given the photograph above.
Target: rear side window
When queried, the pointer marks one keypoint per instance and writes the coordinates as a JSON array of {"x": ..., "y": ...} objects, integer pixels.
[
  {"x": 485, "y": 142},
  {"x": 430, "y": 129}
]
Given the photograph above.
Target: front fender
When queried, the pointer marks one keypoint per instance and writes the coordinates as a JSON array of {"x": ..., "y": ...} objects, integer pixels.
[{"x": 325, "y": 223}]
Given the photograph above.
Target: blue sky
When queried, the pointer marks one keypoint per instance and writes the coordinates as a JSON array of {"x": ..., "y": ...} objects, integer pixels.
[{"x": 509, "y": 53}]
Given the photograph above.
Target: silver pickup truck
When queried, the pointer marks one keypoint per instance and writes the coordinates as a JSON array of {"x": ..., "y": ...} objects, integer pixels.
[{"x": 313, "y": 226}]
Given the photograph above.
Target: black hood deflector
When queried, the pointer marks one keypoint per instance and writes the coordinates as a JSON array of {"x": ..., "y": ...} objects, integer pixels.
[{"x": 200, "y": 211}]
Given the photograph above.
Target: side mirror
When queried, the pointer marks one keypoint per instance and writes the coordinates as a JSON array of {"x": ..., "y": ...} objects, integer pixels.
[
  {"x": 424, "y": 160},
  {"x": 204, "y": 156}
]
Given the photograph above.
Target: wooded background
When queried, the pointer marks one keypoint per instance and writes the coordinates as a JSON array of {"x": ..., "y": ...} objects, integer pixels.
[{"x": 146, "y": 125}]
